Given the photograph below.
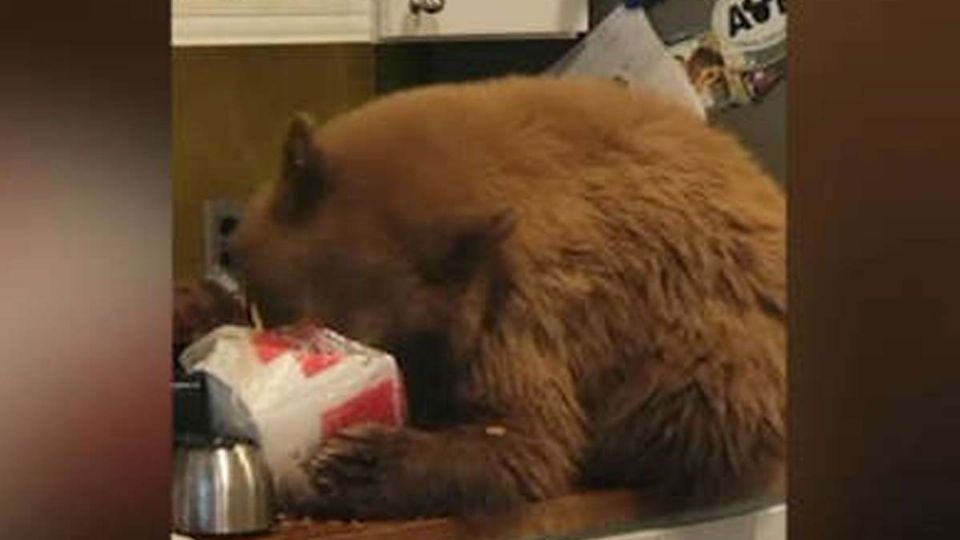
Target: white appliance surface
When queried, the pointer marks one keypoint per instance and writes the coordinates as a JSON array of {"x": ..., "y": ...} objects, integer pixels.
[{"x": 769, "y": 523}]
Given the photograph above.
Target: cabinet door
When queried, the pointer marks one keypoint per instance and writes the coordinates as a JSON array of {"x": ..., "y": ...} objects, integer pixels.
[
  {"x": 473, "y": 19},
  {"x": 263, "y": 22}
]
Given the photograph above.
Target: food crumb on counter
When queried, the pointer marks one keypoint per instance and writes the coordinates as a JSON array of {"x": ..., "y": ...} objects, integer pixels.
[{"x": 496, "y": 431}]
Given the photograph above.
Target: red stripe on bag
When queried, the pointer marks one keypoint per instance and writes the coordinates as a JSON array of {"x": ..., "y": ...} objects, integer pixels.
[
  {"x": 378, "y": 404},
  {"x": 269, "y": 346},
  {"x": 311, "y": 364}
]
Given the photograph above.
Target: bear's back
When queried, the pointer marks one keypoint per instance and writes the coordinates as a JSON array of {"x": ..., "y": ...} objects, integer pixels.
[{"x": 557, "y": 152}]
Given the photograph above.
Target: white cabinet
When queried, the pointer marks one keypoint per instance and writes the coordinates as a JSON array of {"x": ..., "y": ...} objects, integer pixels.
[
  {"x": 265, "y": 22},
  {"x": 262, "y": 22},
  {"x": 401, "y": 20}
]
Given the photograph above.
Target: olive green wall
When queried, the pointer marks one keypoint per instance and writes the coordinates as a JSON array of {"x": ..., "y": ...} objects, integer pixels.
[{"x": 231, "y": 105}]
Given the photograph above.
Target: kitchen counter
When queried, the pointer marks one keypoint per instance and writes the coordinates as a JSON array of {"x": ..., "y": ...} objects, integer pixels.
[{"x": 615, "y": 514}]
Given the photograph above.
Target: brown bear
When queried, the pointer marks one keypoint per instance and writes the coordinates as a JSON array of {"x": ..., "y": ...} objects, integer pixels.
[{"x": 584, "y": 286}]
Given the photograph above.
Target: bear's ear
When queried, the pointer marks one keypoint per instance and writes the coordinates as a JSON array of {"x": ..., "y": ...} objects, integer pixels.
[
  {"x": 303, "y": 178},
  {"x": 459, "y": 246}
]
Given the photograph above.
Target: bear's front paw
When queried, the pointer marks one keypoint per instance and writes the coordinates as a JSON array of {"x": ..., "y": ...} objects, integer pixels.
[{"x": 355, "y": 473}]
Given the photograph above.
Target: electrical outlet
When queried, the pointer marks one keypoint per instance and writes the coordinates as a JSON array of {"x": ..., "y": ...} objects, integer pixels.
[{"x": 221, "y": 217}]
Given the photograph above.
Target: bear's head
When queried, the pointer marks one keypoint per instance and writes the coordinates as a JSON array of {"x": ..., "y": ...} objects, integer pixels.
[{"x": 362, "y": 235}]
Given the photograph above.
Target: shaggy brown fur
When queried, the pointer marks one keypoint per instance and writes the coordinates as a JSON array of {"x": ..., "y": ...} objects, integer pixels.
[{"x": 583, "y": 286}]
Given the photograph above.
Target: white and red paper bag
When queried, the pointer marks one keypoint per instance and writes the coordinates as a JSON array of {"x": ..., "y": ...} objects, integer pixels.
[{"x": 299, "y": 385}]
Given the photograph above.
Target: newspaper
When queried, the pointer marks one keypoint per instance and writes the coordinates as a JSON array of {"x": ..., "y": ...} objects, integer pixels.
[{"x": 626, "y": 48}]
